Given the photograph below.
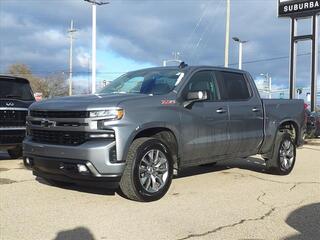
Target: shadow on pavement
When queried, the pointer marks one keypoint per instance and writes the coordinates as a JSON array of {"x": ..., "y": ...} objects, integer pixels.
[
  {"x": 4, "y": 156},
  {"x": 306, "y": 221},
  {"x": 252, "y": 164},
  {"x": 79, "y": 188},
  {"x": 80, "y": 233}
]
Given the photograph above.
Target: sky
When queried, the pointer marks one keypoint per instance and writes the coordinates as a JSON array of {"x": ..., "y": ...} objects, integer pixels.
[{"x": 135, "y": 34}]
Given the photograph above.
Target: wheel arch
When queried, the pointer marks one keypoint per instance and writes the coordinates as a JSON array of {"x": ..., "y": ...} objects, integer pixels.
[
  {"x": 292, "y": 128},
  {"x": 165, "y": 134}
]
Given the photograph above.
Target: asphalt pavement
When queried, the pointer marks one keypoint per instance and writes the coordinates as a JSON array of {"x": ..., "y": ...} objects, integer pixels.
[{"x": 232, "y": 200}]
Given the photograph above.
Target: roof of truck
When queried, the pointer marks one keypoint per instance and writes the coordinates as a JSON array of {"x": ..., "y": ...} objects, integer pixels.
[
  {"x": 14, "y": 78},
  {"x": 192, "y": 68}
]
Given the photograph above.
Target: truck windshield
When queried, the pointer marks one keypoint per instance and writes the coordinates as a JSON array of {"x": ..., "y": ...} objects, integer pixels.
[
  {"x": 14, "y": 89},
  {"x": 150, "y": 81}
]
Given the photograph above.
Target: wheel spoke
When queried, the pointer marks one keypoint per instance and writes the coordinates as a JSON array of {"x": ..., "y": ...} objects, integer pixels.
[
  {"x": 144, "y": 160},
  {"x": 287, "y": 144},
  {"x": 159, "y": 178},
  {"x": 148, "y": 183},
  {"x": 143, "y": 179},
  {"x": 142, "y": 169},
  {"x": 154, "y": 183},
  {"x": 290, "y": 151},
  {"x": 151, "y": 155},
  {"x": 161, "y": 161},
  {"x": 161, "y": 170}
]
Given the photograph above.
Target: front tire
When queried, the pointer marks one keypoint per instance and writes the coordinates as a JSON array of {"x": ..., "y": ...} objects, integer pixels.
[
  {"x": 148, "y": 172},
  {"x": 284, "y": 155}
]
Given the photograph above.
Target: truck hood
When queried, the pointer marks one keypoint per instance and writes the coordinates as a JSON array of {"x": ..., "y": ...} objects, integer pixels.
[{"x": 87, "y": 102}]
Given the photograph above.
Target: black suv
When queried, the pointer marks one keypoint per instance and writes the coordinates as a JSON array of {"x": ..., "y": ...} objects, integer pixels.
[{"x": 15, "y": 98}]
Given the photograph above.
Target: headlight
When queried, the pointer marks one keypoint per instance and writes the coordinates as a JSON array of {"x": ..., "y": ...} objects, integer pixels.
[{"x": 110, "y": 114}]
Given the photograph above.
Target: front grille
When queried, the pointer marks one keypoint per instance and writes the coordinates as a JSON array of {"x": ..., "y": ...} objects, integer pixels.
[
  {"x": 60, "y": 114},
  {"x": 12, "y": 118},
  {"x": 12, "y": 137},
  {"x": 59, "y": 137}
]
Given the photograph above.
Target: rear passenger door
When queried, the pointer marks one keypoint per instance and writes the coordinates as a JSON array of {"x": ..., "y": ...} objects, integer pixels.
[{"x": 245, "y": 110}]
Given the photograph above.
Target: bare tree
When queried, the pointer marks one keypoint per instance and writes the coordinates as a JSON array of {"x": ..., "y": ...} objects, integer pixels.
[
  {"x": 57, "y": 85},
  {"x": 50, "y": 86}
]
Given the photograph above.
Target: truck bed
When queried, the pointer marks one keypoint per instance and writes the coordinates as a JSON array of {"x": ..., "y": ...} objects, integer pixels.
[{"x": 278, "y": 111}]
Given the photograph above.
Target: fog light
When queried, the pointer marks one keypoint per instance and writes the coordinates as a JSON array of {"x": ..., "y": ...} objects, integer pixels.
[
  {"x": 28, "y": 162},
  {"x": 82, "y": 168},
  {"x": 104, "y": 135}
]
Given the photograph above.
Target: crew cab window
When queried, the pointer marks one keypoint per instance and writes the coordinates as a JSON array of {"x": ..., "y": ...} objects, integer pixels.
[
  {"x": 234, "y": 86},
  {"x": 204, "y": 81}
]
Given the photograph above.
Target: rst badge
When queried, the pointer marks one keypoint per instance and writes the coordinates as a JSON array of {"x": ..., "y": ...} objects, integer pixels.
[{"x": 168, "y": 102}]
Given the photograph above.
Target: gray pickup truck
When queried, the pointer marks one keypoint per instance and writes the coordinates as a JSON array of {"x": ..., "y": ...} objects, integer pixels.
[{"x": 148, "y": 124}]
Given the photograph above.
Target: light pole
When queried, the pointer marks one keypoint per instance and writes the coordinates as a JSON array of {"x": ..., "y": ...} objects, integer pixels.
[
  {"x": 269, "y": 82},
  {"x": 71, "y": 31},
  {"x": 240, "y": 49},
  {"x": 226, "y": 50},
  {"x": 94, "y": 41}
]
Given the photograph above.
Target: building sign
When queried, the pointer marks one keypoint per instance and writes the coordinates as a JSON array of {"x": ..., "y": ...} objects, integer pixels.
[{"x": 296, "y": 8}]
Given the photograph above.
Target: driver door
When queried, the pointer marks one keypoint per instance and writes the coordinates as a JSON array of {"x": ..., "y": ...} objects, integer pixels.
[{"x": 204, "y": 123}]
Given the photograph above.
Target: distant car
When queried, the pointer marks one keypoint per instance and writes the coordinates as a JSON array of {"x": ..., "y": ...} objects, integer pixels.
[
  {"x": 311, "y": 124},
  {"x": 15, "y": 98},
  {"x": 316, "y": 117}
]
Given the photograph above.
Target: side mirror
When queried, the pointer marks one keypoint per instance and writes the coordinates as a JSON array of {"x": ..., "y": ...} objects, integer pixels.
[
  {"x": 195, "y": 97},
  {"x": 199, "y": 95}
]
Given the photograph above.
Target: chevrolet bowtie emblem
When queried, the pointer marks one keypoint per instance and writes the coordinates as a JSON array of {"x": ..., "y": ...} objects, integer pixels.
[{"x": 47, "y": 123}]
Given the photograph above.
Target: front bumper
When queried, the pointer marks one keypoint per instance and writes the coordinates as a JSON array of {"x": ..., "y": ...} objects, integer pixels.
[
  {"x": 66, "y": 170},
  {"x": 10, "y": 138},
  {"x": 47, "y": 159}
]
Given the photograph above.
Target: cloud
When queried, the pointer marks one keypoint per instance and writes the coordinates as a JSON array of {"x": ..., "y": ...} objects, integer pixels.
[
  {"x": 147, "y": 32},
  {"x": 83, "y": 58}
]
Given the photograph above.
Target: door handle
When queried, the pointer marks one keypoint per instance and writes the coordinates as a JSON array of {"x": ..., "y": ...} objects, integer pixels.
[
  {"x": 255, "y": 110},
  {"x": 221, "y": 110}
]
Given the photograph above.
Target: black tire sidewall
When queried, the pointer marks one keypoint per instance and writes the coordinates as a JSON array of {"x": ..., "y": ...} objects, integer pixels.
[
  {"x": 281, "y": 170},
  {"x": 141, "y": 151},
  {"x": 15, "y": 153}
]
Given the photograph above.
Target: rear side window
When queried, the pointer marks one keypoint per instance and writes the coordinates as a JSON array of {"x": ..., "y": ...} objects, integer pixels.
[{"x": 234, "y": 86}]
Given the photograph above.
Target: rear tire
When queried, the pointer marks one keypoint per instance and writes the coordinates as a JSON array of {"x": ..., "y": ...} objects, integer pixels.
[
  {"x": 15, "y": 153},
  {"x": 148, "y": 172},
  {"x": 284, "y": 155}
]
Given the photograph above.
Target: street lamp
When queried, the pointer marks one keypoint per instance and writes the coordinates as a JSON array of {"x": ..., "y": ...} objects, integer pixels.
[
  {"x": 94, "y": 41},
  {"x": 269, "y": 81},
  {"x": 240, "y": 49},
  {"x": 71, "y": 32}
]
